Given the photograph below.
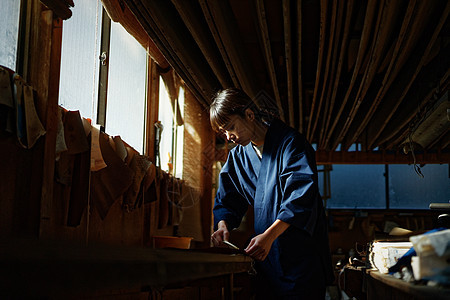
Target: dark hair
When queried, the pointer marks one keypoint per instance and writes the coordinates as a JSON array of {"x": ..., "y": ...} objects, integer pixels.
[{"x": 227, "y": 103}]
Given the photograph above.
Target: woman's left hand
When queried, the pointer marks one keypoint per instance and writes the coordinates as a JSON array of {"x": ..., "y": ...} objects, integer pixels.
[{"x": 259, "y": 246}]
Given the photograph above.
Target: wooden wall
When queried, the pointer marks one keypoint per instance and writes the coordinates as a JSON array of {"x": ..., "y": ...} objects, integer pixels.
[{"x": 34, "y": 205}]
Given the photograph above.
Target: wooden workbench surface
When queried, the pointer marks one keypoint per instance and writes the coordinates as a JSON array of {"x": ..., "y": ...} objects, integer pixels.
[
  {"x": 49, "y": 269},
  {"x": 407, "y": 290}
]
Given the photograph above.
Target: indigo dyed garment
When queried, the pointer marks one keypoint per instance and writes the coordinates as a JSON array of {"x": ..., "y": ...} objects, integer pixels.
[{"x": 282, "y": 185}]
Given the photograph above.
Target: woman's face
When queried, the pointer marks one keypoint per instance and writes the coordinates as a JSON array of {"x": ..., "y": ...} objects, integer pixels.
[{"x": 240, "y": 130}]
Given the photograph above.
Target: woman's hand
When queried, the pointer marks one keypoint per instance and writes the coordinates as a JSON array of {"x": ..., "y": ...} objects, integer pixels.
[
  {"x": 259, "y": 246},
  {"x": 221, "y": 234}
]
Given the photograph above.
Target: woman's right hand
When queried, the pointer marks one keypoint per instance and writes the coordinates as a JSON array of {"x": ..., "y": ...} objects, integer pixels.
[{"x": 221, "y": 234}]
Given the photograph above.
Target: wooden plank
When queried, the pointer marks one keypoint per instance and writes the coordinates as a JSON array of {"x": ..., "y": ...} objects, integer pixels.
[
  {"x": 379, "y": 157},
  {"x": 334, "y": 139},
  {"x": 46, "y": 82},
  {"x": 388, "y": 20},
  {"x": 262, "y": 22},
  {"x": 318, "y": 82},
  {"x": 288, "y": 59},
  {"x": 368, "y": 74},
  {"x": 227, "y": 28},
  {"x": 301, "y": 112},
  {"x": 193, "y": 19},
  {"x": 219, "y": 43},
  {"x": 330, "y": 67},
  {"x": 169, "y": 33},
  {"x": 384, "y": 114},
  {"x": 343, "y": 52}
]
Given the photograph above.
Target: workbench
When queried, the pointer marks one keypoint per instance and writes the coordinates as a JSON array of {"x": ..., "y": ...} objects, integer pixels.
[
  {"x": 384, "y": 286},
  {"x": 57, "y": 270}
]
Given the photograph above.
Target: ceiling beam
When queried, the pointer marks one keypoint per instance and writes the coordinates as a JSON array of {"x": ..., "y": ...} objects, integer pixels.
[
  {"x": 288, "y": 58},
  {"x": 322, "y": 45},
  {"x": 263, "y": 29},
  {"x": 342, "y": 53},
  {"x": 385, "y": 27},
  {"x": 419, "y": 57},
  {"x": 224, "y": 22},
  {"x": 366, "y": 158},
  {"x": 332, "y": 67},
  {"x": 190, "y": 12},
  {"x": 166, "y": 29},
  {"x": 301, "y": 112},
  {"x": 335, "y": 137}
]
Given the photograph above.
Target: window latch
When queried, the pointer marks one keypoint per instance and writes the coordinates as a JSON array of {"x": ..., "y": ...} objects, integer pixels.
[{"x": 103, "y": 58}]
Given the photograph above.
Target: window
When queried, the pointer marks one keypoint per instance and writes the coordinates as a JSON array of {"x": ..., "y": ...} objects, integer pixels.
[
  {"x": 364, "y": 186},
  {"x": 357, "y": 186},
  {"x": 78, "y": 88},
  {"x": 9, "y": 31},
  {"x": 171, "y": 145},
  {"x": 408, "y": 190},
  {"x": 125, "y": 107},
  {"x": 80, "y": 73}
]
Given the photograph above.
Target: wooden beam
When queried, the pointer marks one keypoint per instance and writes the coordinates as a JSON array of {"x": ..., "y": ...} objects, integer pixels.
[
  {"x": 228, "y": 32},
  {"x": 163, "y": 24},
  {"x": 219, "y": 43},
  {"x": 320, "y": 59},
  {"x": 387, "y": 20},
  {"x": 263, "y": 28},
  {"x": 366, "y": 158},
  {"x": 45, "y": 48},
  {"x": 330, "y": 69},
  {"x": 288, "y": 58},
  {"x": 384, "y": 113},
  {"x": 195, "y": 22},
  {"x": 378, "y": 157},
  {"x": 343, "y": 52},
  {"x": 301, "y": 113},
  {"x": 334, "y": 137}
]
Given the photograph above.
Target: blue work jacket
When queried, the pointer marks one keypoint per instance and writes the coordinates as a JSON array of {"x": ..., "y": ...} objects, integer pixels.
[{"x": 282, "y": 185}]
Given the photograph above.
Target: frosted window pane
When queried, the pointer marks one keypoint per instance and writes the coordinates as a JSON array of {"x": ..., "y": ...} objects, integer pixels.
[
  {"x": 9, "y": 31},
  {"x": 357, "y": 186},
  {"x": 408, "y": 190},
  {"x": 125, "y": 108},
  {"x": 78, "y": 89},
  {"x": 165, "y": 115}
]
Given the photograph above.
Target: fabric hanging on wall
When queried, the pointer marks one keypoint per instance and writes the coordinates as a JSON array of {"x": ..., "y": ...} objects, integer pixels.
[
  {"x": 163, "y": 201},
  {"x": 97, "y": 162},
  {"x": 139, "y": 164},
  {"x": 111, "y": 182},
  {"x": 149, "y": 185},
  {"x": 34, "y": 126},
  {"x": 79, "y": 192},
  {"x": 60, "y": 140},
  {"x": 20, "y": 111},
  {"x": 6, "y": 101},
  {"x": 27, "y": 127},
  {"x": 120, "y": 148},
  {"x": 76, "y": 142},
  {"x": 74, "y": 134}
]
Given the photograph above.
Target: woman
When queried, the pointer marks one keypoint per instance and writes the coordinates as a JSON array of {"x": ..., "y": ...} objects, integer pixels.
[{"x": 273, "y": 169}]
